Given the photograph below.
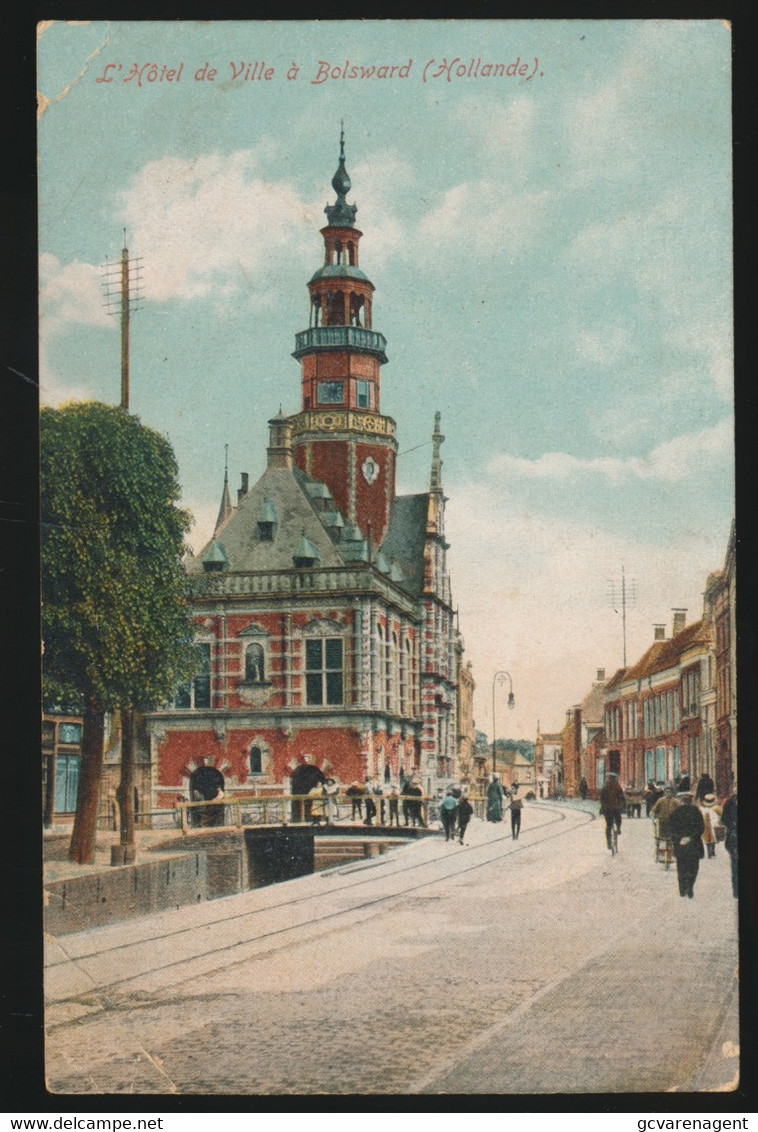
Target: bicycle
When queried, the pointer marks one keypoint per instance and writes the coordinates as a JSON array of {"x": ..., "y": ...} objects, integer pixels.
[{"x": 612, "y": 822}]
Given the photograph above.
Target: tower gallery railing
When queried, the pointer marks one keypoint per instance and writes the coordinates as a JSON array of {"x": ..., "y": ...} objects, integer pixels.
[{"x": 339, "y": 337}]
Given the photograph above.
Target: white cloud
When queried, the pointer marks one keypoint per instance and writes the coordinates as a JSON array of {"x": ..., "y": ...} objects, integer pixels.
[
  {"x": 506, "y": 132},
  {"x": 471, "y": 212},
  {"x": 213, "y": 224},
  {"x": 70, "y": 293},
  {"x": 670, "y": 462}
]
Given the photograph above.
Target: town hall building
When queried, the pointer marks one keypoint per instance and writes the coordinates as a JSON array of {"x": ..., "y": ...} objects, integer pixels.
[{"x": 322, "y": 605}]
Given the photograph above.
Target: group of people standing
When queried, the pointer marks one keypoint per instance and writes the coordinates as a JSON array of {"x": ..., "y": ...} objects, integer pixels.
[
  {"x": 498, "y": 797},
  {"x": 371, "y": 800}
]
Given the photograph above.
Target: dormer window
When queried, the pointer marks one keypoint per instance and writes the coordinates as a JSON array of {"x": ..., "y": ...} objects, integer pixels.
[
  {"x": 215, "y": 559},
  {"x": 306, "y": 556},
  {"x": 267, "y": 522}
]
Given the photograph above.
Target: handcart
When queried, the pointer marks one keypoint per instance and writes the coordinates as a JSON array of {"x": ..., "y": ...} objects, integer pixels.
[{"x": 664, "y": 846}]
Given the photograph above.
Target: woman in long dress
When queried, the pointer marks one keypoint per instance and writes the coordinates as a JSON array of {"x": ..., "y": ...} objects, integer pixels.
[{"x": 495, "y": 800}]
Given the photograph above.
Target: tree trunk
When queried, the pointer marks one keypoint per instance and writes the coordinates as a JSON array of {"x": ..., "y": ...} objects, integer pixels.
[
  {"x": 125, "y": 791},
  {"x": 49, "y": 812},
  {"x": 82, "y": 847}
]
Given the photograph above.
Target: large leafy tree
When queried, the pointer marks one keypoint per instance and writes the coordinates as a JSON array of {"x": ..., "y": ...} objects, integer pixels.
[{"x": 115, "y": 613}]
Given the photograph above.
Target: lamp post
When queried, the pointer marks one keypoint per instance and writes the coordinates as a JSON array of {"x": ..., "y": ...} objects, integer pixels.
[{"x": 500, "y": 678}]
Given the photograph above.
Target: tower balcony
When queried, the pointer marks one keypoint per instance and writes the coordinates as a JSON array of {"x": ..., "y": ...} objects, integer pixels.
[{"x": 357, "y": 338}]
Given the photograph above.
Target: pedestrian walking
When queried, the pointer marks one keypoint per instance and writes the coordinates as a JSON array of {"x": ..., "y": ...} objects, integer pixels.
[
  {"x": 612, "y": 803},
  {"x": 449, "y": 814},
  {"x": 711, "y": 814},
  {"x": 686, "y": 826},
  {"x": 652, "y": 794},
  {"x": 662, "y": 811},
  {"x": 495, "y": 800},
  {"x": 729, "y": 822},
  {"x": 516, "y": 807},
  {"x": 465, "y": 813},
  {"x": 583, "y": 789},
  {"x": 704, "y": 786}
]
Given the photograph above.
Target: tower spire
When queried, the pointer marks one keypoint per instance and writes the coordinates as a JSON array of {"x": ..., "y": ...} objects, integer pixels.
[
  {"x": 435, "y": 482},
  {"x": 341, "y": 214},
  {"x": 225, "y": 509}
]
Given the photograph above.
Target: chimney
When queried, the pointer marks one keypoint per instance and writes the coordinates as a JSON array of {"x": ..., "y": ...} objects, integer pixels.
[
  {"x": 600, "y": 675},
  {"x": 280, "y": 442},
  {"x": 243, "y": 488},
  {"x": 659, "y": 632},
  {"x": 680, "y": 620}
]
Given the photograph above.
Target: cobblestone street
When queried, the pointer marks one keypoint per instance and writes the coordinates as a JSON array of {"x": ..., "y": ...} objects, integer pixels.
[{"x": 540, "y": 965}]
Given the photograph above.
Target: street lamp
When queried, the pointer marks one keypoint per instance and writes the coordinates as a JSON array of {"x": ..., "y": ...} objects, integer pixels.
[{"x": 500, "y": 678}]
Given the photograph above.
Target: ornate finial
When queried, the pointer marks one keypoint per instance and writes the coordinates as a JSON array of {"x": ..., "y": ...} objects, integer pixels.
[
  {"x": 437, "y": 439},
  {"x": 341, "y": 214},
  {"x": 225, "y": 509}
]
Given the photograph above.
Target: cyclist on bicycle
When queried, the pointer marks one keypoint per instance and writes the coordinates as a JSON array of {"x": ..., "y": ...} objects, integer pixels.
[{"x": 612, "y": 803}]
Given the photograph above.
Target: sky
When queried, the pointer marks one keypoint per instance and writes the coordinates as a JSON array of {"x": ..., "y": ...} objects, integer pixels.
[{"x": 550, "y": 243}]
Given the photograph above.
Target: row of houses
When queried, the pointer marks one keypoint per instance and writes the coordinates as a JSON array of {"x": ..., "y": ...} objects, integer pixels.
[{"x": 671, "y": 713}]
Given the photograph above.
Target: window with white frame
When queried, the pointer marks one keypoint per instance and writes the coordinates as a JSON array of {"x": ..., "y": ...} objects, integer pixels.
[{"x": 324, "y": 673}]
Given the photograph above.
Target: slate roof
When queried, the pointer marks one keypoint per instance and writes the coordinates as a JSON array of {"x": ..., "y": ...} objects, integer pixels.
[
  {"x": 405, "y": 539},
  {"x": 239, "y": 538}
]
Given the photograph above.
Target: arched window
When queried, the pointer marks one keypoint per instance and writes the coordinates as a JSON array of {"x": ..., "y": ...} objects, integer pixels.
[
  {"x": 256, "y": 760},
  {"x": 254, "y": 663}
]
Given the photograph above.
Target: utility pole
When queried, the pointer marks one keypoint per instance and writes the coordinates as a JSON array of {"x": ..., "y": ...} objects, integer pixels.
[
  {"x": 123, "y": 291},
  {"x": 621, "y": 596}
]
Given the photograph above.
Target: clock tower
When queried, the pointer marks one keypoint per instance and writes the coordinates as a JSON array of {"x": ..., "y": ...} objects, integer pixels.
[{"x": 340, "y": 436}]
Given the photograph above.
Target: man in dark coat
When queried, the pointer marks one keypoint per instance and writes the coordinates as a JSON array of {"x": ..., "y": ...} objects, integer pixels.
[
  {"x": 686, "y": 827},
  {"x": 612, "y": 803},
  {"x": 465, "y": 811},
  {"x": 704, "y": 786}
]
